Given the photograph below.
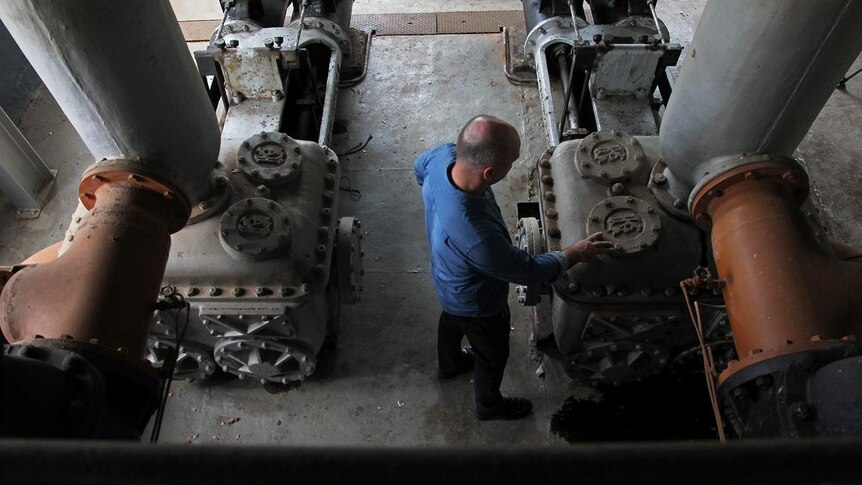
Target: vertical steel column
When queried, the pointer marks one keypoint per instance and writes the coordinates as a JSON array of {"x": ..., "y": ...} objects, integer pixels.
[
  {"x": 24, "y": 177},
  {"x": 755, "y": 78},
  {"x": 123, "y": 76}
]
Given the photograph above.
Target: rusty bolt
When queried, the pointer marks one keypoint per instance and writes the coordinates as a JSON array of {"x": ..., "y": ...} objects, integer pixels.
[
  {"x": 237, "y": 292},
  {"x": 803, "y": 410},
  {"x": 551, "y": 213},
  {"x": 547, "y": 179},
  {"x": 77, "y": 409},
  {"x": 740, "y": 392},
  {"x": 549, "y": 196},
  {"x": 763, "y": 382},
  {"x": 545, "y": 163}
]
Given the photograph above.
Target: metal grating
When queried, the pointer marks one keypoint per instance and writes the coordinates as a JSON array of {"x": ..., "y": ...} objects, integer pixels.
[
  {"x": 477, "y": 22},
  {"x": 396, "y": 23},
  {"x": 198, "y": 30}
]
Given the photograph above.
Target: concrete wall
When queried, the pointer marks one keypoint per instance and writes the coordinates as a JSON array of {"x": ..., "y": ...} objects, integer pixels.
[{"x": 18, "y": 81}]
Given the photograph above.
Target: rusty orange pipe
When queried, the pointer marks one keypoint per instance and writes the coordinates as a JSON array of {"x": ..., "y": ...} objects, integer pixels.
[
  {"x": 104, "y": 285},
  {"x": 783, "y": 290}
]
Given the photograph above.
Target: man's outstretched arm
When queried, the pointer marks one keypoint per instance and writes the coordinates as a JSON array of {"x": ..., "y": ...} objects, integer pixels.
[{"x": 498, "y": 258}]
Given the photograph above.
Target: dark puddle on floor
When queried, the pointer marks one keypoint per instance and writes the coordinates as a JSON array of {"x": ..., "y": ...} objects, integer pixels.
[{"x": 665, "y": 407}]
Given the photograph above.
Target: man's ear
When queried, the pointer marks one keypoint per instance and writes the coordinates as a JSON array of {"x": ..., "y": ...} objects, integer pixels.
[{"x": 488, "y": 173}]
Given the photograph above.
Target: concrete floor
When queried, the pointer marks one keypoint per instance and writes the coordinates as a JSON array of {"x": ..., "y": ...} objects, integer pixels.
[{"x": 380, "y": 387}]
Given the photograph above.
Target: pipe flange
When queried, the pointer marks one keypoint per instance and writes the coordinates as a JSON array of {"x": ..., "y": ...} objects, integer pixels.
[
  {"x": 551, "y": 30},
  {"x": 137, "y": 174},
  {"x": 775, "y": 168},
  {"x": 270, "y": 158},
  {"x": 193, "y": 361},
  {"x": 630, "y": 223},
  {"x": 266, "y": 360},
  {"x": 608, "y": 157},
  {"x": 660, "y": 187},
  {"x": 617, "y": 362},
  {"x": 255, "y": 229},
  {"x": 348, "y": 260},
  {"x": 531, "y": 239},
  {"x": 220, "y": 193}
]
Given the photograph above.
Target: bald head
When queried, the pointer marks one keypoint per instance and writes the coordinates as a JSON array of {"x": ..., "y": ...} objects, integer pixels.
[{"x": 487, "y": 141}]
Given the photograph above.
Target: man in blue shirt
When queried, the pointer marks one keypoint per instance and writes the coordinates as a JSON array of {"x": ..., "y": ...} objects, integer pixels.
[{"x": 473, "y": 259}]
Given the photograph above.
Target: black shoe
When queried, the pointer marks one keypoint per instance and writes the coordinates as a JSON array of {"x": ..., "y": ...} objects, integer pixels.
[
  {"x": 466, "y": 364},
  {"x": 510, "y": 408}
]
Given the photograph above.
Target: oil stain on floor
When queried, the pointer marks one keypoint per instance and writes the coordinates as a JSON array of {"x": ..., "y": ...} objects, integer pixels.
[{"x": 665, "y": 407}]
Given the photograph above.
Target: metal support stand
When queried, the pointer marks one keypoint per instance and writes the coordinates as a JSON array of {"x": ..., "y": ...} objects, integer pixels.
[
  {"x": 842, "y": 84},
  {"x": 24, "y": 177}
]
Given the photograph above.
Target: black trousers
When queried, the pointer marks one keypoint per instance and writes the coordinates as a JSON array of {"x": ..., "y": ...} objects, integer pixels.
[{"x": 489, "y": 337}]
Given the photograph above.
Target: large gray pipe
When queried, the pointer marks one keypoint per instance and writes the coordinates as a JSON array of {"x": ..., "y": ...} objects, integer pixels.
[
  {"x": 123, "y": 75},
  {"x": 757, "y": 74}
]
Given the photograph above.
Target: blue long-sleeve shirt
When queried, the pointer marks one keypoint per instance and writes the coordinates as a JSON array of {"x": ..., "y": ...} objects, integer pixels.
[{"x": 472, "y": 256}]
